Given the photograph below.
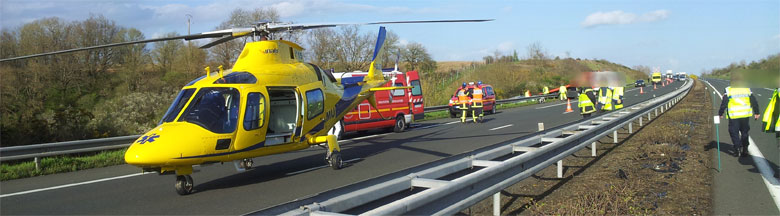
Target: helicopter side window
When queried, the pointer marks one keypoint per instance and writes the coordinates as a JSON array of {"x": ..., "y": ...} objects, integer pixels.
[
  {"x": 254, "y": 117},
  {"x": 215, "y": 109},
  {"x": 315, "y": 103},
  {"x": 177, "y": 105}
]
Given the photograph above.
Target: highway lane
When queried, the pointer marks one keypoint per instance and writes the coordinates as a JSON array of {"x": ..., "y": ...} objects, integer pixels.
[
  {"x": 766, "y": 142},
  {"x": 278, "y": 178}
]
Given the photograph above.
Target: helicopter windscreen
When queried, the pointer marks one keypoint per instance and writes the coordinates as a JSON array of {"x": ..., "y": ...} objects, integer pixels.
[
  {"x": 215, "y": 109},
  {"x": 177, "y": 105}
]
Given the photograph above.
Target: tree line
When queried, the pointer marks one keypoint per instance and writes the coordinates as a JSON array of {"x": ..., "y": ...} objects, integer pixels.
[{"x": 125, "y": 90}]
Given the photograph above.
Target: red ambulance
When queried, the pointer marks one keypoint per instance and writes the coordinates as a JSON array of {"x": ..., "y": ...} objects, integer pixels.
[{"x": 401, "y": 106}]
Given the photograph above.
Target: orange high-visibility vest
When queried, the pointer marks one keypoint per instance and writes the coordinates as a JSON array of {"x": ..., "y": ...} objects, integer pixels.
[
  {"x": 462, "y": 97},
  {"x": 476, "y": 95}
]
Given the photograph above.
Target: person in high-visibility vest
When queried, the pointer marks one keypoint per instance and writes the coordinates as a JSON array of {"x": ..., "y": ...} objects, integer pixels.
[
  {"x": 463, "y": 100},
  {"x": 617, "y": 98},
  {"x": 605, "y": 99},
  {"x": 546, "y": 90},
  {"x": 772, "y": 114},
  {"x": 738, "y": 102},
  {"x": 562, "y": 92},
  {"x": 585, "y": 102},
  {"x": 770, "y": 121},
  {"x": 476, "y": 102}
]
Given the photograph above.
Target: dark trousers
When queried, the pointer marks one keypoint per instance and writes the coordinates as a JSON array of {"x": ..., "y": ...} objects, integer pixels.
[{"x": 738, "y": 130}]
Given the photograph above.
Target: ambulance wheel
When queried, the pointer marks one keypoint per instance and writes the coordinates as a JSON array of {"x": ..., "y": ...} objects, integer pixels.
[
  {"x": 400, "y": 124},
  {"x": 337, "y": 129},
  {"x": 493, "y": 111},
  {"x": 335, "y": 160},
  {"x": 453, "y": 115},
  {"x": 184, "y": 184}
]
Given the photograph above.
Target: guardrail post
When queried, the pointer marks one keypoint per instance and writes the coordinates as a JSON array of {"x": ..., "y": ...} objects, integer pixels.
[
  {"x": 497, "y": 204},
  {"x": 37, "y": 163},
  {"x": 593, "y": 149},
  {"x": 560, "y": 169},
  {"x": 630, "y": 127},
  {"x": 614, "y": 136},
  {"x": 640, "y": 120},
  {"x": 656, "y": 112}
]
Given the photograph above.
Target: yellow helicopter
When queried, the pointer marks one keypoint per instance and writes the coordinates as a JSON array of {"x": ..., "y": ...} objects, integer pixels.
[{"x": 270, "y": 102}]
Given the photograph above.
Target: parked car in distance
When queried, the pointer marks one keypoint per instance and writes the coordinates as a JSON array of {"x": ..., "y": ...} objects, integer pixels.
[
  {"x": 488, "y": 98},
  {"x": 639, "y": 83}
]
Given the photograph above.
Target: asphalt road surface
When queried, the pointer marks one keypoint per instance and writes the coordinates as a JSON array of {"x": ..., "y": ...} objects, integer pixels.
[
  {"x": 739, "y": 187},
  {"x": 277, "y": 179}
]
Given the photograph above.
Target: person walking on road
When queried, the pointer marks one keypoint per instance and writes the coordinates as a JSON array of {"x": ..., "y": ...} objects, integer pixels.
[
  {"x": 464, "y": 96},
  {"x": 739, "y": 102}
]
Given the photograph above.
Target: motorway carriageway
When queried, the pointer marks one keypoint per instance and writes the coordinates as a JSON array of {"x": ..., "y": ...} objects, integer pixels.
[{"x": 276, "y": 179}]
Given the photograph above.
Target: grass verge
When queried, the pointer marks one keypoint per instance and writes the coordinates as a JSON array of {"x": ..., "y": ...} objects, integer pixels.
[{"x": 59, "y": 164}]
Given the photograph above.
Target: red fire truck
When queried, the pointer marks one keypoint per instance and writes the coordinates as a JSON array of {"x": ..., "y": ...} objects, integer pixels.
[{"x": 401, "y": 106}]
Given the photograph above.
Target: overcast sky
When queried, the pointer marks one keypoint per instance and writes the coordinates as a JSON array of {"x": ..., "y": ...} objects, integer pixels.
[{"x": 684, "y": 36}]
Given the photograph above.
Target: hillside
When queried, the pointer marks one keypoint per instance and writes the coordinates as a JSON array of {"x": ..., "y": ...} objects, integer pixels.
[
  {"x": 761, "y": 73},
  {"x": 512, "y": 78}
]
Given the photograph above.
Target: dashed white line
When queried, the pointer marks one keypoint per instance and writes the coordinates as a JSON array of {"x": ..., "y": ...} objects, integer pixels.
[
  {"x": 449, "y": 123},
  {"x": 319, "y": 167},
  {"x": 509, "y": 125},
  {"x": 72, "y": 185},
  {"x": 548, "y": 106}
]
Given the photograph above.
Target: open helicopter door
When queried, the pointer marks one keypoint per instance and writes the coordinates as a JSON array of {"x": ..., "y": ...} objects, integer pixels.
[{"x": 283, "y": 118}]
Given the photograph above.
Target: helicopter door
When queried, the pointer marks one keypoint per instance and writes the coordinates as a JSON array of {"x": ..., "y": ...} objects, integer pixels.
[
  {"x": 251, "y": 128},
  {"x": 282, "y": 117}
]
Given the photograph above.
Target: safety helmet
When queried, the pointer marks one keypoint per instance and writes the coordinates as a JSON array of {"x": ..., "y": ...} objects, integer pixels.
[
  {"x": 479, "y": 83},
  {"x": 464, "y": 85}
]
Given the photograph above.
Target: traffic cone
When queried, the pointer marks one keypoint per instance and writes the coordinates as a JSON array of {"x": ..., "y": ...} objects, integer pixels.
[
  {"x": 568, "y": 106},
  {"x": 654, "y": 88},
  {"x": 641, "y": 90},
  {"x": 663, "y": 84}
]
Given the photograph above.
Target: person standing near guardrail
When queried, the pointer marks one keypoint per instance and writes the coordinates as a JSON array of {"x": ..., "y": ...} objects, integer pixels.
[
  {"x": 617, "y": 98},
  {"x": 585, "y": 102},
  {"x": 739, "y": 102},
  {"x": 562, "y": 92}
]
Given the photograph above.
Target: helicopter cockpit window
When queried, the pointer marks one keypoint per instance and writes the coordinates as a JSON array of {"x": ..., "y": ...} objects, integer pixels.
[
  {"x": 178, "y": 104},
  {"x": 237, "y": 78},
  {"x": 215, "y": 109},
  {"x": 254, "y": 117}
]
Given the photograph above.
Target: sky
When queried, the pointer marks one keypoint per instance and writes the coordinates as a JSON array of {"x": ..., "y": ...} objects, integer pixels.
[{"x": 683, "y": 36}]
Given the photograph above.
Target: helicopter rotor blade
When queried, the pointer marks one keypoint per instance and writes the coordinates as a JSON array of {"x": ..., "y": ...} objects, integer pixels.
[
  {"x": 302, "y": 26},
  {"x": 184, "y": 37},
  {"x": 228, "y": 34}
]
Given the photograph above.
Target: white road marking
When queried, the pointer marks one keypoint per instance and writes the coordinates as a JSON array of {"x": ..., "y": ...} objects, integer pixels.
[
  {"x": 449, "y": 123},
  {"x": 548, "y": 106},
  {"x": 763, "y": 167},
  {"x": 509, "y": 125},
  {"x": 319, "y": 167},
  {"x": 72, "y": 185},
  {"x": 430, "y": 126}
]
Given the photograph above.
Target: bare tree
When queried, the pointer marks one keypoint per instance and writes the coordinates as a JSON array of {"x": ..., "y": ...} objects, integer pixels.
[{"x": 537, "y": 53}]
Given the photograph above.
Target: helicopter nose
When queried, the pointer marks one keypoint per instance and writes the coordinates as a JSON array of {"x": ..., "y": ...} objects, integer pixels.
[{"x": 144, "y": 155}]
